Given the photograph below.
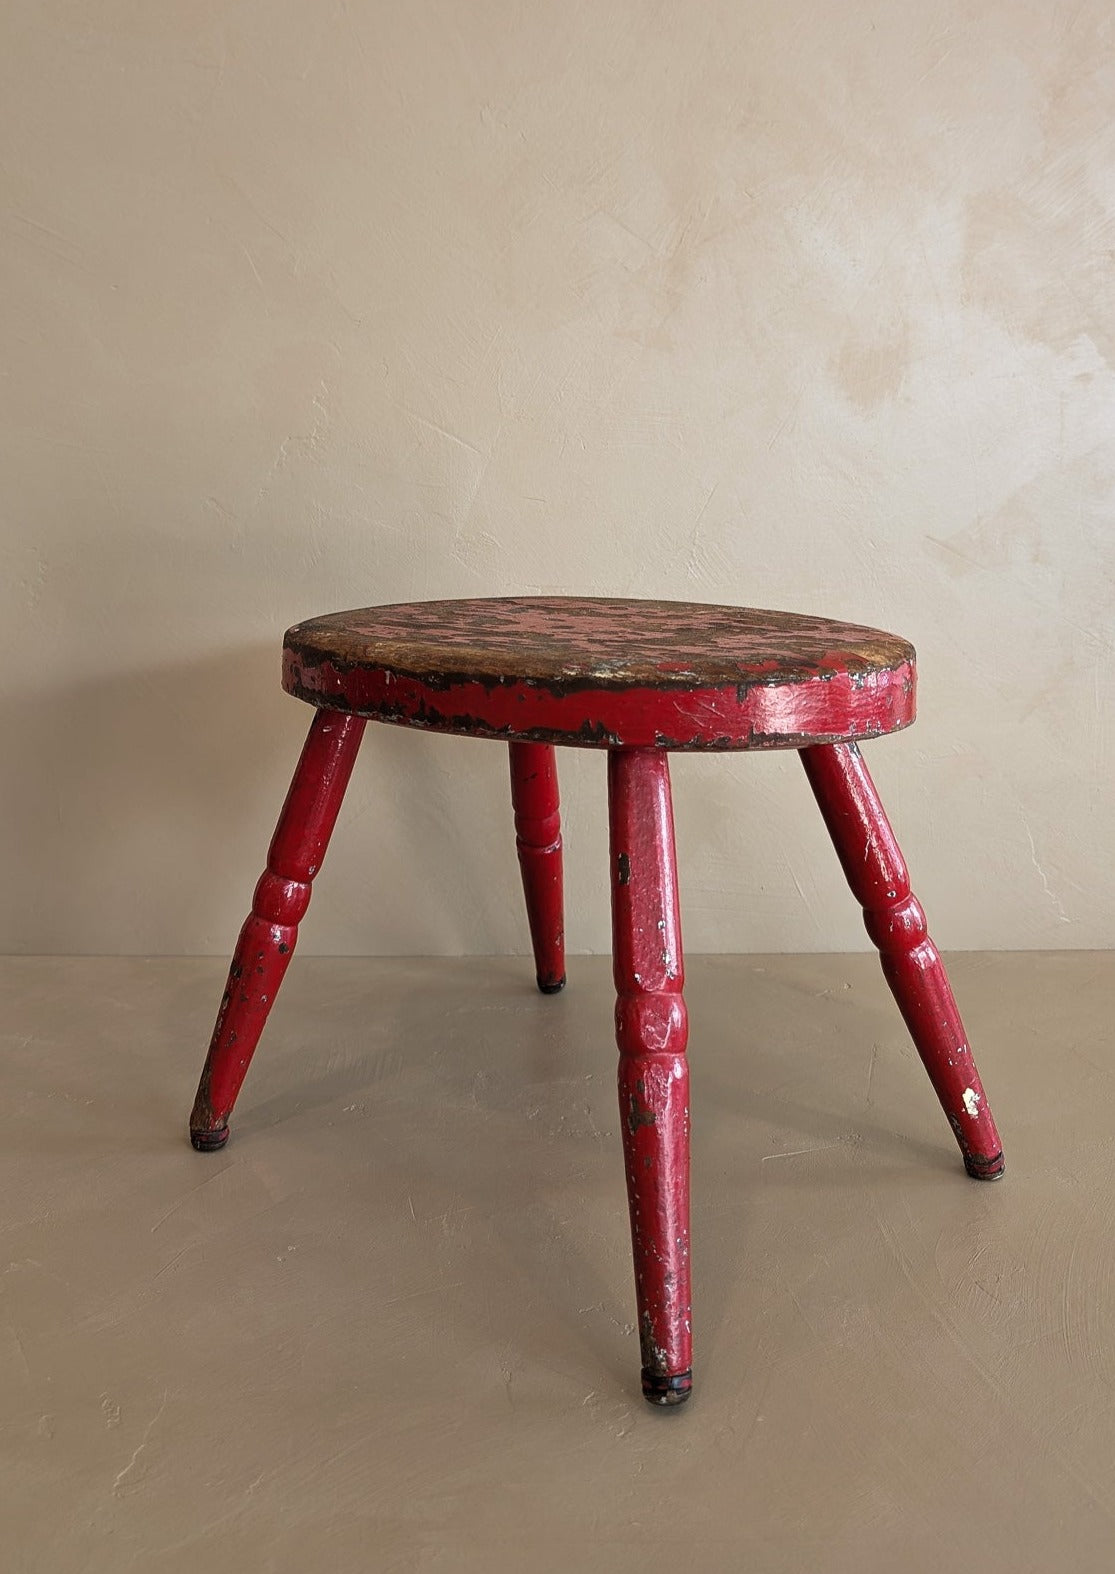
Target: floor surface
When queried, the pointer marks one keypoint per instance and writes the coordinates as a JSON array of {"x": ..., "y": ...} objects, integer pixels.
[{"x": 389, "y": 1328}]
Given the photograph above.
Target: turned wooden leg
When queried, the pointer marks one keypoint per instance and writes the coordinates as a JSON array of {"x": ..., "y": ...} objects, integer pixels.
[
  {"x": 651, "y": 1031},
  {"x": 271, "y": 929},
  {"x": 534, "y": 798},
  {"x": 877, "y": 874}
]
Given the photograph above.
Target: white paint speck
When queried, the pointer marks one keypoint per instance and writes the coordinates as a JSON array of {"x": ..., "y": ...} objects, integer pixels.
[{"x": 971, "y": 1102}]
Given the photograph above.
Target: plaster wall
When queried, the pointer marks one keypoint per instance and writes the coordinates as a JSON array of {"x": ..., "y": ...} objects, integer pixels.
[{"x": 313, "y": 306}]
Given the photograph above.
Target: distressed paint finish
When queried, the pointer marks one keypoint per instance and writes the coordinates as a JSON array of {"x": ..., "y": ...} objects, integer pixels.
[
  {"x": 651, "y": 1033},
  {"x": 535, "y": 801},
  {"x": 640, "y": 679},
  {"x": 606, "y": 673},
  {"x": 876, "y": 872},
  {"x": 271, "y": 929}
]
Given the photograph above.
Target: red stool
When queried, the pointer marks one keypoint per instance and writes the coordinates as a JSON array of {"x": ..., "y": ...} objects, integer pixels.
[{"x": 637, "y": 678}]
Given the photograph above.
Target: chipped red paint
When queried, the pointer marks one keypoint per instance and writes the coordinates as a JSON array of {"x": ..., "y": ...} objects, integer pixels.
[
  {"x": 651, "y": 1032},
  {"x": 534, "y": 798},
  {"x": 876, "y": 872},
  {"x": 759, "y": 717},
  {"x": 629, "y": 674},
  {"x": 639, "y": 679},
  {"x": 271, "y": 929}
]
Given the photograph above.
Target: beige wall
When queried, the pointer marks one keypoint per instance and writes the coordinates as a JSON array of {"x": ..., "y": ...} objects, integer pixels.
[{"x": 308, "y": 306}]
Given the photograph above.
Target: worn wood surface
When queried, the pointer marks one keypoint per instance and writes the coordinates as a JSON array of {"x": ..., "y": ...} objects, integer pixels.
[{"x": 607, "y": 673}]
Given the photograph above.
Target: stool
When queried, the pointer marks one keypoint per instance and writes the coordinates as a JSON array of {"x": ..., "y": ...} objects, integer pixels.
[{"x": 639, "y": 679}]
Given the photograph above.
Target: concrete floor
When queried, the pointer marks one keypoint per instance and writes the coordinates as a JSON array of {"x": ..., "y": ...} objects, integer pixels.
[{"x": 390, "y": 1327}]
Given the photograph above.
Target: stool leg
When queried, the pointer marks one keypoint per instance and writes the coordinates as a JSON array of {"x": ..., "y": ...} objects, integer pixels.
[
  {"x": 534, "y": 799},
  {"x": 271, "y": 929},
  {"x": 651, "y": 1032},
  {"x": 876, "y": 872}
]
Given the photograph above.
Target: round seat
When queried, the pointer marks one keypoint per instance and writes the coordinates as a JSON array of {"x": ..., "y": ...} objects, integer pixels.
[{"x": 606, "y": 673}]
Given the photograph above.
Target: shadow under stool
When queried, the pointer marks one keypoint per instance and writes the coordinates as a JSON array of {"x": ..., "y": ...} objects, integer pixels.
[{"x": 639, "y": 679}]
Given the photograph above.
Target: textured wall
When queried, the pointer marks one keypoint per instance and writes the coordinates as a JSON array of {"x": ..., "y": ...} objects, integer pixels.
[{"x": 308, "y": 306}]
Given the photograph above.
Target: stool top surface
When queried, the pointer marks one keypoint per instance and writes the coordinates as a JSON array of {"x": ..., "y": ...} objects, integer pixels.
[{"x": 617, "y": 672}]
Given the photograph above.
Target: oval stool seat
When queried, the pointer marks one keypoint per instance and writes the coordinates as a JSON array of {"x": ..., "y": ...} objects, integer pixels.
[{"x": 607, "y": 673}]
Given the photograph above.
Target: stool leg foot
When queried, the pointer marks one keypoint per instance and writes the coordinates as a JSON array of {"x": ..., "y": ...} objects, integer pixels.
[
  {"x": 651, "y": 1033},
  {"x": 534, "y": 799},
  {"x": 271, "y": 929},
  {"x": 876, "y": 872},
  {"x": 208, "y": 1141}
]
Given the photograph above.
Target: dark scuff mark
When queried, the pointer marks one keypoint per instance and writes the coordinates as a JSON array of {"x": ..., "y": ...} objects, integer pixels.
[{"x": 637, "y": 1117}]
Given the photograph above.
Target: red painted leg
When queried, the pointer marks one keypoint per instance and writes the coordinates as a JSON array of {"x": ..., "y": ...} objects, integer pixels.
[
  {"x": 534, "y": 798},
  {"x": 651, "y": 1031},
  {"x": 877, "y": 874},
  {"x": 271, "y": 929}
]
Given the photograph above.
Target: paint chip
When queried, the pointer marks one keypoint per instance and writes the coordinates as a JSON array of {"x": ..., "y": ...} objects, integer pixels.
[{"x": 971, "y": 1102}]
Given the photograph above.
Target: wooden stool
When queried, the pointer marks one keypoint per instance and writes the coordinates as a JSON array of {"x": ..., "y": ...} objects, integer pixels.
[{"x": 638, "y": 678}]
